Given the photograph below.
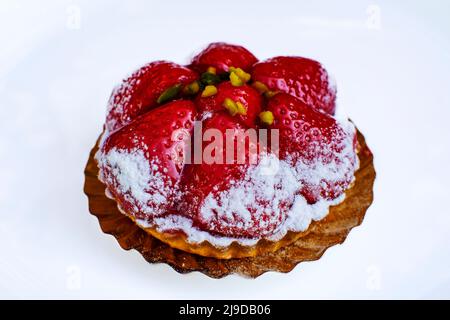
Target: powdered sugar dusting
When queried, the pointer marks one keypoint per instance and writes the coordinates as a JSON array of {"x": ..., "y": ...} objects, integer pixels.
[
  {"x": 130, "y": 173},
  {"x": 118, "y": 102},
  {"x": 257, "y": 201},
  {"x": 206, "y": 115},
  {"x": 271, "y": 180},
  {"x": 332, "y": 168},
  {"x": 122, "y": 98},
  {"x": 332, "y": 86}
]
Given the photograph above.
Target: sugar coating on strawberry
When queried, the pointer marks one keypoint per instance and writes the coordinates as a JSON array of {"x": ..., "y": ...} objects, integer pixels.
[
  {"x": 140, "y": 91},
  {"x": 255, "y": 205},
  {"x": 249, "y": 98},
  {"x": 321, "y": 150},
  {"x": 141, "y": 163},
  {"x": 303, "y": 78},
  {"x": 238, "y": 200},
  {"x": 222, "y": 56},
  {"x": 212, "y": 170}
]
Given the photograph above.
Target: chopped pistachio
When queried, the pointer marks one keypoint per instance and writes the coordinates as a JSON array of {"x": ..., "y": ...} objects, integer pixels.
[
  {"x": 260, "y": 87},
  {"x": 241, "y": 109},
  {"x": 231, "y": 106},
  {"x": 209, "y": 78},
  {"x": 191, "y": 88},
  {"x": 169, "y": 94},
  {"x": 266, "y": 117},
  {"x": 269, "y": 94},
  {"x": 209, "y": 91},
  {"x": 211, "y": 70},
  {"x": 238, "y": 76},
  {"x": 235, "y": 80}
]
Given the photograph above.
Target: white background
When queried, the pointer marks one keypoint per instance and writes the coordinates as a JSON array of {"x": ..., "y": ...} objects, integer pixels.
[{"x": 60, "y": 60}]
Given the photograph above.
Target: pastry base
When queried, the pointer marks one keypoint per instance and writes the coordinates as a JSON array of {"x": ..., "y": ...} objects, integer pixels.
[{"x": 321, "y": 235}]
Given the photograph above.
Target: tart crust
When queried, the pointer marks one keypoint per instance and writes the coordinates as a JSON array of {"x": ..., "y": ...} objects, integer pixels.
[{"x": 262, "y": 247}]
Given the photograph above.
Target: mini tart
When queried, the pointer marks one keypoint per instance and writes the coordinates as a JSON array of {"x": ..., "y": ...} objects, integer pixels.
[
  {"x": 323, "y": 234},
  {"x": 179, "y": 240},
  {"x": 227, "y": 210}
]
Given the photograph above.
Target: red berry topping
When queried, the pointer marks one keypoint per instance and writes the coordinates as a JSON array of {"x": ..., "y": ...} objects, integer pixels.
[
  {"x": 235, "y": 200},
  {"x": 144, "y": 90},
  {"x": 303, "y": 78},
  {"x": 226, "y": 184},
  {"x": 142, "y": 162},
  {"x": 222, "y": 56},
  {"x": 316, "y": 145},
  {"x": 248, "y": 97}
]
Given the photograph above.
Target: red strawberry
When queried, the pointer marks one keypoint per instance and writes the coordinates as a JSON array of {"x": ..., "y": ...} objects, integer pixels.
[
  {"x": 303, "y": 78},
  {"x": 316, "y": 145},
  {"x": 249, "y": 97},
  {"x": 233, "y": 200},
  {"x": 141, "y": 163},
  {"x": 221, "y": 56},
  {"x": 139, "y": 92}
]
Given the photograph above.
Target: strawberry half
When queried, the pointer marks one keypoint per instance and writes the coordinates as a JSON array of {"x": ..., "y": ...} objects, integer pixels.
[
  {"x": 316, "y": 145},
  {"x": 236, "y": 199},
  {"x": 222, "y": 56},
  {"x": 303, "y": 78},
  {"x": 141, "y": 163},
  {"x": 246, "y": 95},
  {"x": 140, "y": 92}
]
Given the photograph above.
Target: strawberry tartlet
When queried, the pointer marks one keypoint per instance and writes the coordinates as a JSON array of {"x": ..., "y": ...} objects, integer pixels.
[{"x": 160, "y": 158}]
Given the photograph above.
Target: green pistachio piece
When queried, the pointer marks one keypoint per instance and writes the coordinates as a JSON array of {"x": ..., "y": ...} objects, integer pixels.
[
  {"x": 169, "y": 94},
  {"x": 208, "y": 78}
]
